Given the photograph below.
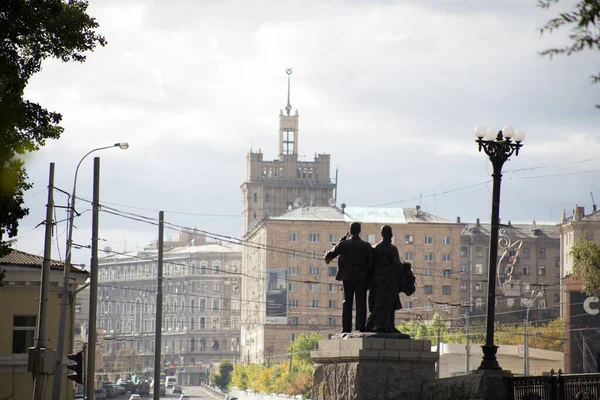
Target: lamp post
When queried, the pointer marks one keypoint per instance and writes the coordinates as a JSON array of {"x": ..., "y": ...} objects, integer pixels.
[
  {"x": 532, "y": 298},
  {"x": 56, "y": 389},
  {"x": 498, "y": 147}
]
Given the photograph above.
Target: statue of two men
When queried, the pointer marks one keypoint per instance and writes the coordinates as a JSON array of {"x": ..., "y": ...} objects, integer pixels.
[{"x": 376, "y": 269}]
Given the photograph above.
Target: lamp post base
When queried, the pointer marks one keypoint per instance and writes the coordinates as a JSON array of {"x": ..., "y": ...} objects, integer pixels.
[{"x": 489, "y": 362}]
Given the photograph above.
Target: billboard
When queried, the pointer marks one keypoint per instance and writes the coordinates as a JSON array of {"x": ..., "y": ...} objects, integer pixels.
[
  {"x": 276, "y": 296},
  {"x": 584, "y": 333}
]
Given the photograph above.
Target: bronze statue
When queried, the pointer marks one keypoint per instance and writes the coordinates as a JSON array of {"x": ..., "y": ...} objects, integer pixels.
[
  {"x": 387, "y": 282},
  {"x": 355, "y": 274}
]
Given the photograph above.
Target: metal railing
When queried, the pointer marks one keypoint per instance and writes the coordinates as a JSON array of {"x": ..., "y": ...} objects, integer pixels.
[{"x": 555, "y": 387}]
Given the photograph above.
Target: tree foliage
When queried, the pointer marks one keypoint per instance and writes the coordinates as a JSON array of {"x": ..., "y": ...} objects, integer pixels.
[
  {"x": 303, "y": 345},
  {"x": 584, "y": 23},
  {"x": 548, "y": 336},
  {"x": 586, "y": 265},
  {"x": 30, "y": 32},
  {"x": 223, "y": 377},
  {"x": 126, "y": 360}
]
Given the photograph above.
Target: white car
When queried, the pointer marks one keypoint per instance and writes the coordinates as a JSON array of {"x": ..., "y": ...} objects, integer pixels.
[{"x": 135, "y": 397}]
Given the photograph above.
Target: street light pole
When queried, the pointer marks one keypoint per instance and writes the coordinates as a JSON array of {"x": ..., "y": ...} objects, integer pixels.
[
  {"x": 532, "y": 298},
  {"x": 498, "y": 147},
  {"x": 56, "y": 388}
]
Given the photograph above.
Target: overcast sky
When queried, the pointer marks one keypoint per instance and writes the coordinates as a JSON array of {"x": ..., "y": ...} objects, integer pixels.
[{"x": 391, "y": 89}]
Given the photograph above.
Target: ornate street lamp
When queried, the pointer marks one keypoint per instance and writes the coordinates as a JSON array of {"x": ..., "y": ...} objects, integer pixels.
[{"x": 499, "y": 147}]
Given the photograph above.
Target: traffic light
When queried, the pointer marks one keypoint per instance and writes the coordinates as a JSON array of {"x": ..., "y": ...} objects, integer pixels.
[{"x": 76, "y": 366}]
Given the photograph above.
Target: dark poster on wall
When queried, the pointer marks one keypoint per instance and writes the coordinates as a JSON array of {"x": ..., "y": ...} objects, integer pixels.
[
  {"x": 276, "y": 296},
  {"x": 584, "y": 333}
]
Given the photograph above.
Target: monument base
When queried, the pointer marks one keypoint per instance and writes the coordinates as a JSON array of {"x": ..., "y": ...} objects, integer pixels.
[{"x": 371, "y": 366}]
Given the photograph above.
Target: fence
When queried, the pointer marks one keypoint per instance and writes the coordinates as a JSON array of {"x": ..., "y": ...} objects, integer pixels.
[{"x": 555, "y": 387}]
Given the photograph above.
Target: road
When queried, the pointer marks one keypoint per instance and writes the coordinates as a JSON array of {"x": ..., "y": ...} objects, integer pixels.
[{"x": 195, "y": 392}]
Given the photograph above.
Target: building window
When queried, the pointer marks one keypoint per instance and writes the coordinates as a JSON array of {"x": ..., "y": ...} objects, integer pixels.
[
  {"x": 293, "y": 303},
  {"x": 428, "y": 239},
  {"x": 478, "y": 269},
  {"x": 314, "y": 237},
  {"x": 215, "y": 306},
  {"x": 313, "y": 303},
  {"x": 23, "y": 333},
  {"x": 526, "y": 270},
  {"x": 332, "y": 303},
  {"x": 202, "y": 323},
  {"x": 217, "y": 268},
  {"x": 255, "y": 197},
  {"x": 332, "y": 271},
  {"x": 293, "y": 236},
  {"x": 292, "y": 320},
  {"x": 446, "y": 308},
  {"x": 542, "y": 270},
  {"x": 288, "y": 142},
  {"x": 409, "y": 305},
  {"x": 542, "y": 253},
  {"x": 428, "y": 305},
  {"x": 463, "y": 251},
  {"x": 478, "y": 286},
  {"x": 202, "y": 305},
  {"x": 478, "y": 251},
  {"x": 217, "y": 287},
  {"x": 428, "y": 272},
  {"x": 371, "y": 238},
  {"x": 267, "y": 197},
  {"x": 293, "y": 254},
  {"x": 589, "y": 236},
  {"x": 446, "y": 257},
  {"x": 446, "y": 290},
  {"x": 526, "y": 252},
  {"x": 463, "y": 286},
  {"x": 331, "y": 321},
  {"x": 447, "y": 273},
  {"x": 332, "y": 288},
  {"x": 479, "y": 302},
  {"x": 408, "y": 239},
  {"x": 314, "y": 271},
  {"x": 408, "y": 256},
  {"x": 293, "y": 270},
  {"x": 203, "y": 268},
  {"x": 447, "y": 240},
  {"x": 333, "y": 238},
  {"x": 293, "y": 286},
  {"x": 429, "y": 258},
  {"x": 463, "y": 269},
  {"x": 314, "y": 287},
  {"x": 428, "y": 289}
]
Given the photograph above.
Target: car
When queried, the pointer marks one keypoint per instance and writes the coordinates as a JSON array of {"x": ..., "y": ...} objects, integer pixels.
[
  {"x": 177, "y": 389},
  {"x": 184, "y": 397},
  {"x": 135, "y": 397},
  {"x": 99, "y": 394}
]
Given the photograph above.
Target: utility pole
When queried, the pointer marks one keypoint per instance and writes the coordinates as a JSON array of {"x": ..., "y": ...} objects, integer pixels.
[
  {"x": 91, "y": 364},
  {"x": 439, "y": 335},
  {"x": 291, "y": 357},
  {"x": 159, "y": 308},
  {"x": 468, "y": 345},
  {"x": 525, "y": 350},
  {"x": 584, "y": 353},
  {"x": 39, "y": 364}
]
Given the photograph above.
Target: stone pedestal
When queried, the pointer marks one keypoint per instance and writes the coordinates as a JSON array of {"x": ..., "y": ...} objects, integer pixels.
[{"x": 372, "y": 367}]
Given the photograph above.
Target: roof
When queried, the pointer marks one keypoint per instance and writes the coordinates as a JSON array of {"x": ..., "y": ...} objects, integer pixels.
[
  {"x": 22, "y": 259},
  {"x": 516, "y": 231},
  {"x": 207, "y": 248},
  {"x": 361, "y": 214}
]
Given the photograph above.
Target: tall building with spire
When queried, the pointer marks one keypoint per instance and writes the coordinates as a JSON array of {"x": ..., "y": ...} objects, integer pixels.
[{"x": 274, "y": 187}]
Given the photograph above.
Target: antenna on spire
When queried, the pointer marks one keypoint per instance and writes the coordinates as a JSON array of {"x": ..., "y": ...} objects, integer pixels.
[{"x": 288, "y": 108}]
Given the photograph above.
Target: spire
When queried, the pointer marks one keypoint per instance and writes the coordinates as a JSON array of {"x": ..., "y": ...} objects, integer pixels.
[{"x": 288, "y": 108}]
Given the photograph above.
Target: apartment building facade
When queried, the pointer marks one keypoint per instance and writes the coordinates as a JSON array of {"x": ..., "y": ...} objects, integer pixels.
[
  {"x": 201, "y": 306},
  {"x": 580, "y": 310},
  {"x": 287, "y": 288},
  {"x": 528, "y": 259}
]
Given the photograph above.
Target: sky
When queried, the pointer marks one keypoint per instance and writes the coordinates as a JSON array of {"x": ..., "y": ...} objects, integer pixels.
[{"x": 391, "y": 89}]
